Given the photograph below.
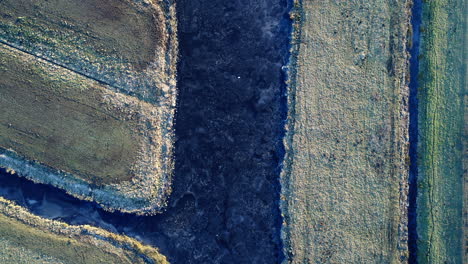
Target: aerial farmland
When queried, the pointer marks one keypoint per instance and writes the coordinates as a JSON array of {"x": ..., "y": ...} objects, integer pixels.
[{"x": 273, "y": 131}]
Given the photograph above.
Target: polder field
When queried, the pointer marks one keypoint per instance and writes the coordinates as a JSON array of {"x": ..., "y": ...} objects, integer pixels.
[
  {"x": 345, "y": 182},
  {"x": 60, "y": 118},
  {"x": 344, "y": 185},
  {"x": 219, "y": 132},
  {"x": 89, "y": 91}
]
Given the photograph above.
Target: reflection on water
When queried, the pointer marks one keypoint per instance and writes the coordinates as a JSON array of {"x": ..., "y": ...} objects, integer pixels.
[{"x": 50, "y": 202}]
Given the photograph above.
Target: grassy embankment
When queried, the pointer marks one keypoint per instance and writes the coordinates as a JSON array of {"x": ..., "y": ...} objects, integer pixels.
[
  {"x": 25, "y": 234},
  {"x": 440, "y": 180}
]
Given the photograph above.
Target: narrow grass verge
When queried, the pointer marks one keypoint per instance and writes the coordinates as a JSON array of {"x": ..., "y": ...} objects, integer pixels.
[
  {"x": 57, "y": 241},
  {"x": 441, "y": 118}
]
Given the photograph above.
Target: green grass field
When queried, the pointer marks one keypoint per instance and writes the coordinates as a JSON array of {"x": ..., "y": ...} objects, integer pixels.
[{"x": 440, "y": 183}]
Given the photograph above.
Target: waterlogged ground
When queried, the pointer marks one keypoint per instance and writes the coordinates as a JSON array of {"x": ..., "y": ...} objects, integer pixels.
[{"x": 228, "y": 148}]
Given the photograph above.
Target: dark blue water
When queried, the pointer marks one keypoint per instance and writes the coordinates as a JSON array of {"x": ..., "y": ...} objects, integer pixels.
[
  {"x": 413, "y": 131},
  {"x": 228, "y": 150}
]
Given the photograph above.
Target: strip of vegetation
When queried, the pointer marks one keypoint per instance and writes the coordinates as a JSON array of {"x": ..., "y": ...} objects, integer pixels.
[
  {"x": 440, "y": 176},
  {"x": 59, "y": 242}
]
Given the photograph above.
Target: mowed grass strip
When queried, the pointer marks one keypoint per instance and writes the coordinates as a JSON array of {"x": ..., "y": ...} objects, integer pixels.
[{"x": 56, "y": 117}]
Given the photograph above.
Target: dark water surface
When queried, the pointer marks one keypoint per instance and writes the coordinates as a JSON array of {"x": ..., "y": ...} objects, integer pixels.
[
  {"x": 228, "y": 150},
  {"x": 413, "y": 130}
]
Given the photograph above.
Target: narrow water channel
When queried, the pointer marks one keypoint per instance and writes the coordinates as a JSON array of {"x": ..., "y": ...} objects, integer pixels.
[{"x": 413, "y": 130}]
